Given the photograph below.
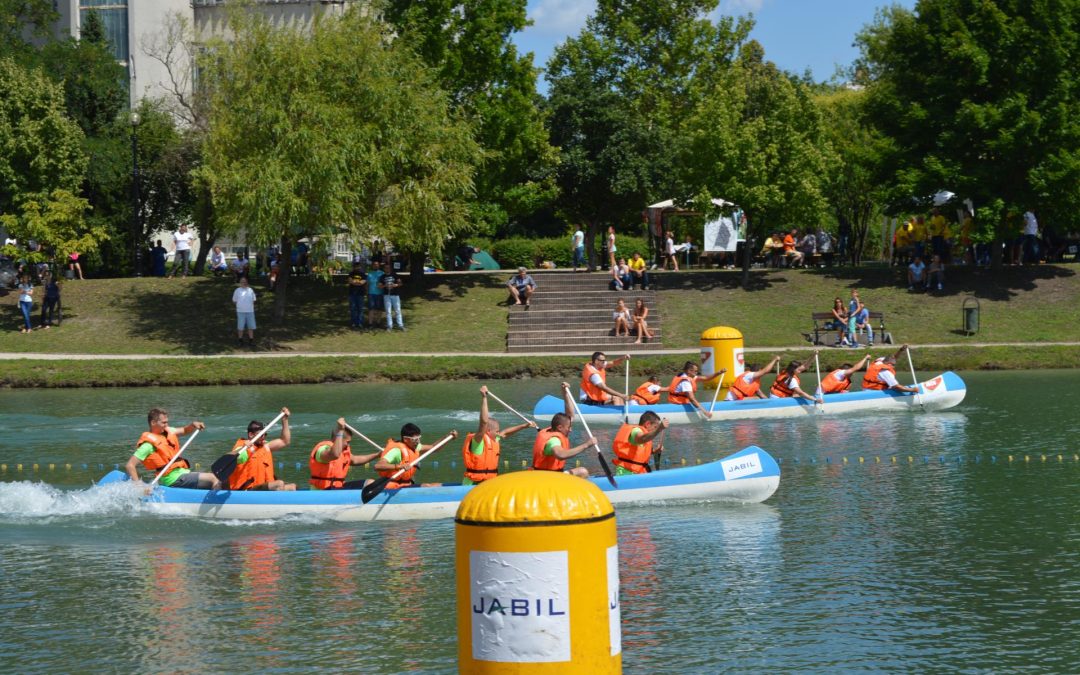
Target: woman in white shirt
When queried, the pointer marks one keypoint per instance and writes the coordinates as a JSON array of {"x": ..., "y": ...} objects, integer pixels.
[
  {"x": 26, "y": 302},
  {"x": 182, "y": 242},
  {"x": 622, "y": 319},
  {"x": 244, "y": 299}
]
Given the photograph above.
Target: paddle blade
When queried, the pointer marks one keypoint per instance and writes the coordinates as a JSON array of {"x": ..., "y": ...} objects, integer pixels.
[
  {"x": 372, "y": 489},
  {"x": 223, "y": 467},
  {"x": 607, "y": 470}
]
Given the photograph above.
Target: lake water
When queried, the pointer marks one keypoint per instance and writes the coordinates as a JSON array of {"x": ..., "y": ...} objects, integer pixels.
[{"x": 926, "y": 550}]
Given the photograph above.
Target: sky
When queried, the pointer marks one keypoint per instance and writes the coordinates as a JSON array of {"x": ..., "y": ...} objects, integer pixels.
[{"x": 796, "y": 34}]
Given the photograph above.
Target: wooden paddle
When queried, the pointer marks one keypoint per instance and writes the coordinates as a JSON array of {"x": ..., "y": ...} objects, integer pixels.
[
  {"x": 223, "y": 467},
  {"x": 175, "y": 457},
  {"x": 914, "y": 381},
  {"x": 356, "y": 432},
  {"x": 599, "y": 454},
  {"x": 507, "y": 406},
  {"x": 372, "y": 489}
]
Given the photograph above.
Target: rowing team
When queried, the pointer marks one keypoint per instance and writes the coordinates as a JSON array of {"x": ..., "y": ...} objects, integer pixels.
[
  {"x": 880, "y": 375},
  {"x": 250, "y": 463}
]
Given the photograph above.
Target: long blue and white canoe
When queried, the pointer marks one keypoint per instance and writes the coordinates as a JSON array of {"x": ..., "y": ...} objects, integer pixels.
[
  {"x": 749, "y": 476},
  {"x": 938, "y": 393}
]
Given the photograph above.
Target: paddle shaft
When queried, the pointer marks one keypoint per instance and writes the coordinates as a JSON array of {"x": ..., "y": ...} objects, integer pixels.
[
  {"x": 371, "y": 490},
  {"x": 226, "y": 464},
  {"x": 507, "y": 406},
  {"x": 817, "y": 366},
  {"x": 356, "y": 432},
  {"x": 716, "y": 394},
  {"x": 914, "y": 380},
  {"x": 175, "y": 457},
  {"x": 599, "y": 454},
  {"x": 659, "y": 449},
  {"x": 626, "y": 394}
]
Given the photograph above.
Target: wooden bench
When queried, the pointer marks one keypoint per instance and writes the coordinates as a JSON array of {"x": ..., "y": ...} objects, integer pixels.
[{"x": 824, "y": 326}]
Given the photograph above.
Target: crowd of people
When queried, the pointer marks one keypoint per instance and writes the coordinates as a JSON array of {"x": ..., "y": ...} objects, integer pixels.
[{"x": 794, "y": 250}]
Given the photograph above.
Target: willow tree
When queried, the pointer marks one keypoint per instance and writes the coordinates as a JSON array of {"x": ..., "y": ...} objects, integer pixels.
[{"x": 337, "y": 130}]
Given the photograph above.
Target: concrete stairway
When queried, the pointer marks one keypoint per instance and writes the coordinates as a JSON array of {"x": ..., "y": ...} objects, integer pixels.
[{"x": 572, "y": 313}]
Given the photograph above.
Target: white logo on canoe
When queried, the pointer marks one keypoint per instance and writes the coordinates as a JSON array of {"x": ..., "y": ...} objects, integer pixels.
[{"x": 739, "y": 467}]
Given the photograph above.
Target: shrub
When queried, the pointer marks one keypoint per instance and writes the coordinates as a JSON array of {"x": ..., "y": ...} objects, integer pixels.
[{"x": 519, "y": 252}]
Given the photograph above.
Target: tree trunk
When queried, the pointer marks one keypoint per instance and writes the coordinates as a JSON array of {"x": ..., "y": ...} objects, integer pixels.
[
  {"x": 208, "y": 234},
  {"x": 997, "y": 254},
  {"x": 748, "y": 246},
  {"x": 282, "y": 285},
  {"x": 416, "y": 269},
  {"x": 592, "y": 228}
]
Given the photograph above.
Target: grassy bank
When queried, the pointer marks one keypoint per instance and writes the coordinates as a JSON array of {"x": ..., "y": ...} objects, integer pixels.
[
  {"x": 466, "y": 313},
  {"x": 312, "y": 370}
]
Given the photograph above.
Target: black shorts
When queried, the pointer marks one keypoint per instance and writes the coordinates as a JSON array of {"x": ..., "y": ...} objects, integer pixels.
[{"x": 189, "y": 480}]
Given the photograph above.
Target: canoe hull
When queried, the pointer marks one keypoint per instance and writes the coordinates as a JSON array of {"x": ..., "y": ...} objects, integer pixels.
[
  {"x": 938, "y": 393},
  {"x": 749, "y": 476}
]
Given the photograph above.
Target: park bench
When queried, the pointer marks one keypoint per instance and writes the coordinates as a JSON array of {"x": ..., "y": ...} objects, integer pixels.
[{"x": 824, "y": 327}]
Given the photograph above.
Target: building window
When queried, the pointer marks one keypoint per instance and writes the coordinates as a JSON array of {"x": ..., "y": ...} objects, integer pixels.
[{"x": 114, "y": 16}]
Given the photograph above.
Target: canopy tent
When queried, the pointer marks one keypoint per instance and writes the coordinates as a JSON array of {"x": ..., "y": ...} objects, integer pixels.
[{"x": 721, "y": 233}]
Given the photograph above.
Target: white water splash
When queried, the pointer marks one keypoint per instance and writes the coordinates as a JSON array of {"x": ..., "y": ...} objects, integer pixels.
[{"x": 28, "y": 501}]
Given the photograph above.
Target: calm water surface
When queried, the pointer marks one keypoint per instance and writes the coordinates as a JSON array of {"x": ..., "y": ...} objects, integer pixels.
[{"x": 953, "y": 560}]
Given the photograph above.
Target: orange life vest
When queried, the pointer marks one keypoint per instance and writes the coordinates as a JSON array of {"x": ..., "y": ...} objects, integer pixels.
[
  {"x": 784, "y": 387},
  {"x": 679, "y": 397},
  {"x": 644, "y": 396},
  {"x": 870, "y": 379},
  {"x": 481, "y": 467},
  {"x": 629, "y": 456},
  {"x": 165, "y": 448},
  {"x": 742, "y": 390},
  {"x": 593, "y": 392},
  {"x": 329, "y": 475},
  {"x": 408, "y": 456},
  {"x": 542, "y": 462},
  {"x": 832, "y": 384},
  {"x": 259, "y": 468}
]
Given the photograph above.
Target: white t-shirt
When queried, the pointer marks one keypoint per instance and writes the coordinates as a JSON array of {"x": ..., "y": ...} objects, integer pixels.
[
  {"x": 792, "y": 384},
  {"x": 244, "y": 299},
  {"x": 684, "y": 387},
  {"x": 1031, "y": 226},
  {"x": 182, "y": 240},
  {"x": 669, "y": 245},
  {"x": 217, "y": 258},
  {"x": 579, "y": 239},
  {"x": 887, "y": 377},
  {"x": 917, "y": 270},
  {"x": 611, "y": 242}
]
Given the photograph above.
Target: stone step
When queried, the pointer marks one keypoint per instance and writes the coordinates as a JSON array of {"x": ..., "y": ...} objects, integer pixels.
[
  {"x": 597, "y": 331},
  {"x": 597, "y": 310},
  {"x": 541, "y": 323},
  {"x": 595, "y": 344}
]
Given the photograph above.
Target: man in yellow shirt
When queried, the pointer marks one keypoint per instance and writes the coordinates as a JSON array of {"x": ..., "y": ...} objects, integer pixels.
[
  {"x": 638, "y": 271},
  {"x": 939, "y": 228}
]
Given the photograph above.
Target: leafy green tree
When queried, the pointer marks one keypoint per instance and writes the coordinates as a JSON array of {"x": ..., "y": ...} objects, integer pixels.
[
  {"x": 41, "y": 163},
  {"x": 979, "y": 97},
  {"x": 20, "y": 19},
  {"x": 340, "y": 130},
  {"x": 757, "y": 136},
  {"x": 468, "y": 43}
]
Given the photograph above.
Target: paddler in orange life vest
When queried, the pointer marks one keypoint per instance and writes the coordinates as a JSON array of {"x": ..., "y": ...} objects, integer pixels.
[
  {"x": 255, "y": 461},
  {"x": 552, "y": 446},
  {"x": 594, "y": 387},
  {"x": 648, "y": 392},
  {"x": 156, "y": 447},
  {"x": 748, "y": 385},
  {"x": 402, "y": 454},
  {"x": 839, "y": 381},
  {"x": 633, "y": 444},
  {"x": 330, "y": 461},
  {"x": 787, "y": 383},
  {"x": 480, "y": 453},
  {"x": 682, "y": 387},
  {"x": 881, "y": 374}
]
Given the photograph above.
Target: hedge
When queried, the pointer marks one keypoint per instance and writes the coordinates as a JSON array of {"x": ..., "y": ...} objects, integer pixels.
[{"x": 521, "y": 252}]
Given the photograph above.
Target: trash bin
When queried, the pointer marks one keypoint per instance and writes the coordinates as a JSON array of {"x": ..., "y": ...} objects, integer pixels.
[{"x": 970, "y": 309}]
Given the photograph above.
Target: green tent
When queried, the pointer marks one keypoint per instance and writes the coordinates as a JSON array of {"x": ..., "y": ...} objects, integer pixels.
[{"x": 483, "y": 262}]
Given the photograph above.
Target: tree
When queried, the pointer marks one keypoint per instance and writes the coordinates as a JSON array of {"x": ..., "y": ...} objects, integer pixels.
[
  {"x": 468, "y": 43},
  {"x": 756, "y": 135},
  {"x": 41, "y": 164},
  {"x": 979, "y": 97},
  {"x": 19, "y": 17},
  {"x": 852, "y": 184},
  {"x": 339, "y": 130}
]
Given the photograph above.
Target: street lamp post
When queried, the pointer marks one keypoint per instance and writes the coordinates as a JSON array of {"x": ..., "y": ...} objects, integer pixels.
[{"x": 136, "y": 202}]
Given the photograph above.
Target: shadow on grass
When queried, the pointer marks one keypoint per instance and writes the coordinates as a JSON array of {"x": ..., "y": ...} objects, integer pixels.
[
  {"x": 198, "y": 316},
  {"x": 981, "y": 283},
  {"x": 760, "y": 280}
]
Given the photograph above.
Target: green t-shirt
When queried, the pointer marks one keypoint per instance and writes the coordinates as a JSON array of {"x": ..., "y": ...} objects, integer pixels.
[
  {"x": 320, "y": 453},
  {"x": 549, "y": 447},
  {"x": 146, "y": 449},
  {"x": 393, "y": 457}
]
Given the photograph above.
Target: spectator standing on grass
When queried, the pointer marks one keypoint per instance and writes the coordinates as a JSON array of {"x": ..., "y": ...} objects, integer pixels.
[
  {"x": 182, "y": 255},
  {"x": 611, "y": 246},
  {"x": 26, "y": 301},
  {"x": 244, "y": 299},
  {"x": 217, "y": 262},
  {"x": 391, "y": 284},
  {"x": 75, "y": 266},
  {"x": 357, "y": 295},
  {"x": 1031, "y": 239},
  {"x": 916, "y": 274},
  {"x": 158, "y": 256},
  {"x": 51, "y": 302},
  {"x": 808, "y": 247},
  {"x": 577, "y": 246},
  {"x": 935, "y": 275},
  {"x": 825, "y": 246},
  {"x": 938, "y": 229},
  {"x": 639, "y": 271},
  {"x": 375, "y": 291},
  {"x": 670, "y": 254},
  {"x": 917, "y": 234},
  {"x": 859, "y": 317},
  {"x": 521, "y": 287}
]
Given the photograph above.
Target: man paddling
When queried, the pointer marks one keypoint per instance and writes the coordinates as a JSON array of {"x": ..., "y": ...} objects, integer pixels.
[
  {"x": 480, "y": 453},
  {"x": 402, "y": 454},
  {"x": 633, "y": 443},
  {"x": 331, "y": 459},
  {"x": 839, "y": 381},
  {"x": 594, "y": 389},
  {"x": 552, "y": 446},
  {"x": 682, "y": 387},
  {"x": 748, "y": 385},
  {"x": 881, "y": 374},
  {"x": 156, "y": 448},
  {"x": 255, "y": 461},
  {"x": 648, "y": 392}
]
